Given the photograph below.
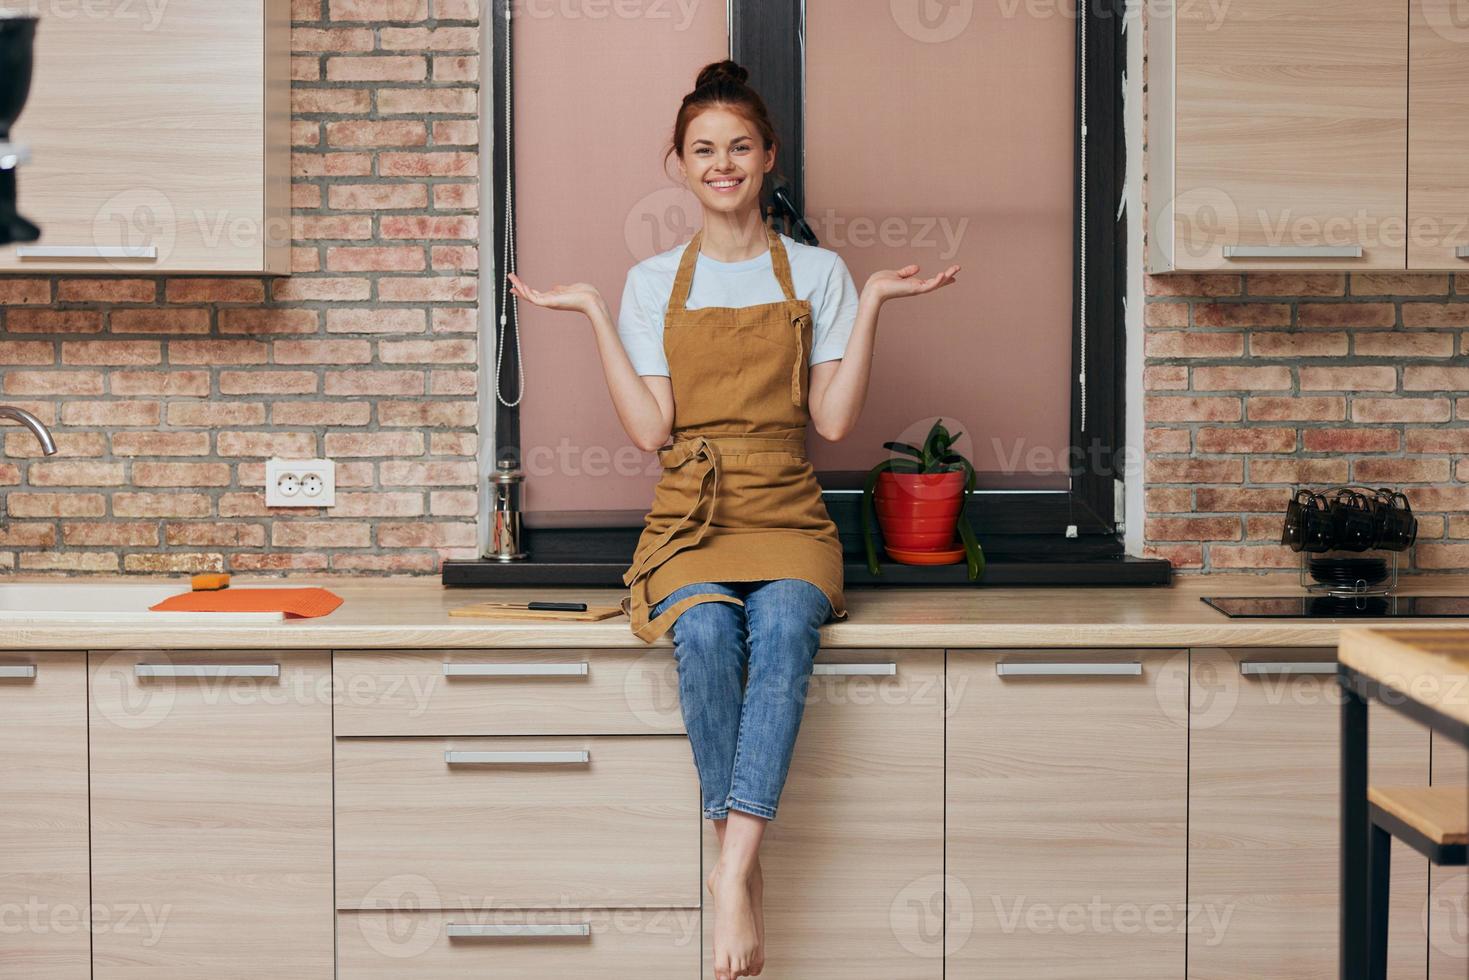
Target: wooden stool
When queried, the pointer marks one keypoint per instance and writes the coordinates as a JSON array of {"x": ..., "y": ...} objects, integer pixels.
[{"x": 1434, "y": 821}]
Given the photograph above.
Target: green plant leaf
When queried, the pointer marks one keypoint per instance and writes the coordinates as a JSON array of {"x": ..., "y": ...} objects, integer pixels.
[
  {"x": 973, "y": 554},
  {"x": 903, "y": 447},
  {"x": 867, "y": 514}
]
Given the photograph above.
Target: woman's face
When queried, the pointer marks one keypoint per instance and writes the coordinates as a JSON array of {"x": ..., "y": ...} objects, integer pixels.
[{"x": 724, "y": 160}]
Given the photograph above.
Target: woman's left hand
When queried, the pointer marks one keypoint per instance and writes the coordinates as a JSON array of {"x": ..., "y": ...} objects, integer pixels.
[{"x": 894, "y": 283}]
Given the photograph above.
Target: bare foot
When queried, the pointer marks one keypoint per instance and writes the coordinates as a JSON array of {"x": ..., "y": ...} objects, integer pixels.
[
  {"x": 757, "y": 905},
  {"x": 736, "y": 939}
]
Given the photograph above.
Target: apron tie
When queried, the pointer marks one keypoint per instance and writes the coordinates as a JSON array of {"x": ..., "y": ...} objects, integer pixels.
[
  {"x": 636, "y": 604},
  {"x": 705, "y": 450},
  {"x": 800, "y": 323}
]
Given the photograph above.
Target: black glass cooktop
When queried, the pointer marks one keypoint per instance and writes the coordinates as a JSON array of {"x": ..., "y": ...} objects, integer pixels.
[{"x": 1332, "y": 607}]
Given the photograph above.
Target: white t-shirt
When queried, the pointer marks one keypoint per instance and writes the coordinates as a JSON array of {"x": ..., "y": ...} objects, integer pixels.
[{"x": 817, "y": 274}]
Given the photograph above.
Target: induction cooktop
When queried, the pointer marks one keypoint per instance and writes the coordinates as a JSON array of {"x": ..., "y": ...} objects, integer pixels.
[{"x": 1333, "y": 607}]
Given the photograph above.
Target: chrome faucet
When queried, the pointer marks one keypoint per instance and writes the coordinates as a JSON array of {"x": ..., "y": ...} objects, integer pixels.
[{"x": 37, "y": 427}]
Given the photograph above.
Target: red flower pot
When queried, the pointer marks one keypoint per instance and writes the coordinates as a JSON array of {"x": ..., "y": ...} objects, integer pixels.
[{"x": 918, "y": 511}]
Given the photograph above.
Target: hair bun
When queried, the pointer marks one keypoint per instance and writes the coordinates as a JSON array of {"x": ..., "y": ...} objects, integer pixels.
[{"x": 721, "y": 71}]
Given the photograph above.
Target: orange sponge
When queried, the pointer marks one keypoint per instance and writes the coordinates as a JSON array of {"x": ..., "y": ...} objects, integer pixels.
[{"x": 210, "y": 582}]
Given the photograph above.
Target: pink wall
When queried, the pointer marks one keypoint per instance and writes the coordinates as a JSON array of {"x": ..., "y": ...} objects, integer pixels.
[{"x": 939, "y": 144}]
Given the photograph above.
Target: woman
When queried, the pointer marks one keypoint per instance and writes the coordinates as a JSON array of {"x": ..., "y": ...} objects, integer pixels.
[{"x": 738, "y": 555}]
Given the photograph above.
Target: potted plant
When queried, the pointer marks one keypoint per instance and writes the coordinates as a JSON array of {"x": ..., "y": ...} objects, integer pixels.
[{"x": 920, "y": 495}]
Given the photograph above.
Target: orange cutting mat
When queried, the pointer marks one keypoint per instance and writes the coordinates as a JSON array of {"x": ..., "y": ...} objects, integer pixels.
[{"x": 302, "y": 603}]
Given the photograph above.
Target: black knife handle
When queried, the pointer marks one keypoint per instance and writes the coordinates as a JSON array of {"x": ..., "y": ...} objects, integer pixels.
[{"x": 558, "y": 606}]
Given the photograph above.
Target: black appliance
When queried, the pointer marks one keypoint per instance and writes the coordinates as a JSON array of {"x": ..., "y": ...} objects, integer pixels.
[{"x": 1341, "y": 607}]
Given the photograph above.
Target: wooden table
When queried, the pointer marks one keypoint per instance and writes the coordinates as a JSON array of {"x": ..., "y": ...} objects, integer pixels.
[{"x": 1423, "y": 673}]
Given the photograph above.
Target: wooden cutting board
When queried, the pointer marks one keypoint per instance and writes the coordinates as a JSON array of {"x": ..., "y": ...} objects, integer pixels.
[{"x": 490, "y": 610}]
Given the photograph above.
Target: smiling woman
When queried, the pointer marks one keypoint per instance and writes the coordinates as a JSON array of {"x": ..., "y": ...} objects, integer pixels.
[{"x": 737, "y": 555}]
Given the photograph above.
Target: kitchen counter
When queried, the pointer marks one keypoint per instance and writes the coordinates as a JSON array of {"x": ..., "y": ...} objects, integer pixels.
[{"x": 413, "y": 613}]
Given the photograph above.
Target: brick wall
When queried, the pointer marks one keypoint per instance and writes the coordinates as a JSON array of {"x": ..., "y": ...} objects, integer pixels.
[
  {"x": 1261, "y": 382},
  {"x": 166, "y": 394}
]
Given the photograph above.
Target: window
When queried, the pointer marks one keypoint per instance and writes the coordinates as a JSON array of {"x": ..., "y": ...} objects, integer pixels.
[{"x": 982, "y": 124}]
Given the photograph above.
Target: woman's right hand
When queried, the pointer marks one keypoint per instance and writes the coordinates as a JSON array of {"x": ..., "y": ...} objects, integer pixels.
[{"x": 578, "y": 297}]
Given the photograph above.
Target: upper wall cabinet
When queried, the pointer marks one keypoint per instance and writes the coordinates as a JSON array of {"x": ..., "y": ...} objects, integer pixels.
[
  {"x": 1279, "y": 135},
  {"x": 159, "y": 137},
  {"x": 1438, "y": 138}
]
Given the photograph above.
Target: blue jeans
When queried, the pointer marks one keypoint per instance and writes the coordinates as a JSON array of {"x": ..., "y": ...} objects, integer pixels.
[{"x": 744, "y": 732}]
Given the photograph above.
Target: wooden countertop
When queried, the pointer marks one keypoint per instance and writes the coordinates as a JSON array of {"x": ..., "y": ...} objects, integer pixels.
[
  {"x": 1429, "y": 665},
  {"x": 413, "y": 613}
]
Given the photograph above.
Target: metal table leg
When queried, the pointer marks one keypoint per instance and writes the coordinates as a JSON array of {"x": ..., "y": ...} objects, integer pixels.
[{"x": 1352, "y": 943}]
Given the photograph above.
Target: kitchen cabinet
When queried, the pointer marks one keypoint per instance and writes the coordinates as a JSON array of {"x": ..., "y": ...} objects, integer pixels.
[
  {"x": 1448, "y": 888},
  {"x": 160, "y": 140},
  {"x": 44, "y": 887},
  {"x": 1438, "y": 140},
  {"x": 522, "y": 821},
  {"x": 1264, "y": 784},
  {"x": 1279, "y": 134},
  {"x": 542, "y": 944},
  {"x": 853, "y": 861},
  {"x": 506, "y": 692},
  {"x": 212, "y": 814},
  {"x": 1067, "y": 794}
]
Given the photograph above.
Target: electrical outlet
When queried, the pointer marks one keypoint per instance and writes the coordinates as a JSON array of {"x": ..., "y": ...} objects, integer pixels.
[{"x": 300, "y": 483}]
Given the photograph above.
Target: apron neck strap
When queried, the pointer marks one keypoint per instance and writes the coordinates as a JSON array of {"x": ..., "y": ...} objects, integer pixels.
[
  {"x": 685, "y": 277},
  {"x": 683, "y": 282},
  {"x": 781, "y": 264}
]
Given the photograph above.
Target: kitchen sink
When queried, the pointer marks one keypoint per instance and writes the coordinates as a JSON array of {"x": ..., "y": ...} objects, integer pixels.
[{"x": 106, "y": 602}]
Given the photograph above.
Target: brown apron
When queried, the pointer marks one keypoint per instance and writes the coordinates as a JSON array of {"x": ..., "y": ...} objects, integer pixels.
[{"x": 738, "y": 501}]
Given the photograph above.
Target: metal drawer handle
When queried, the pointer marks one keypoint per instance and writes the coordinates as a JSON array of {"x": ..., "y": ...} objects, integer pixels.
[
  {"x": 1287, "y": 667},
  {"x": 18, "y": 671},
  {"x": 1068, "y": 669},
  {"x": 146, "y": 253},
  {"x": 457, "y": 930},
  {"x": 515, "y": 670},
  {"x": 460, "y": 758},
  {"x": 855, "y": 670},
  {"x": 207, "y": 670},
  {"x": 1292, "y": 251}
]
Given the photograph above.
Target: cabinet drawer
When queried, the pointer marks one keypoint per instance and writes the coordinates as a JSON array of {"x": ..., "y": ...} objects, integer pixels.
[
  {"x": 507, "y": 692},
  {"x": 1067, "y": 792},
  {"x": 651, "y": 944},
  {"x": 854, "y": 860},
  {"x": 1264, "y": 816},
  {"x": 212, "y": 814},
  {"x": 523, "y": 822},
  {"x": 44, "y": 889}
]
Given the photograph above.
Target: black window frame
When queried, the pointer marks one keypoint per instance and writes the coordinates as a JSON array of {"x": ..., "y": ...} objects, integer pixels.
[{"x": 1083, "y": 522}]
